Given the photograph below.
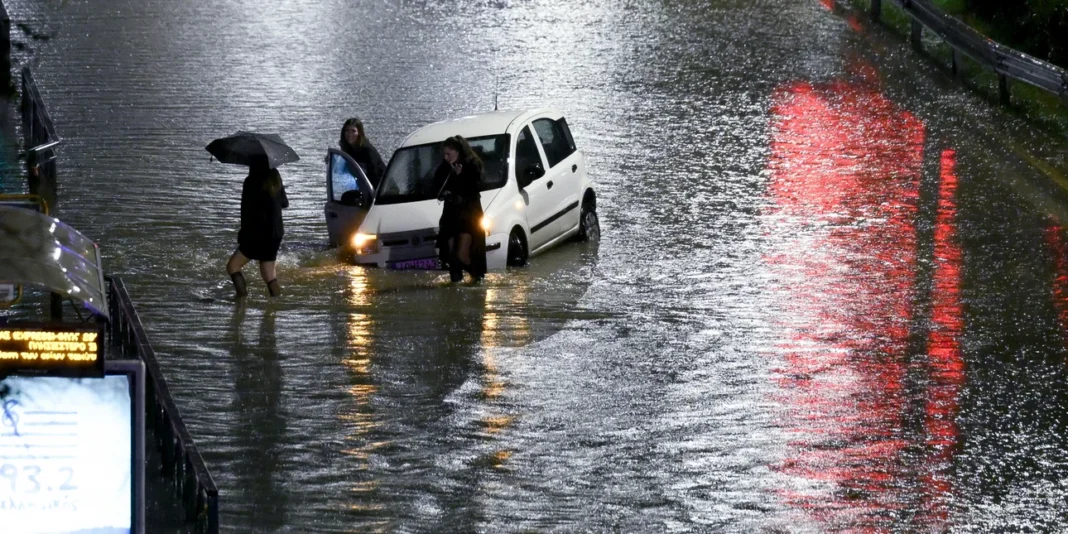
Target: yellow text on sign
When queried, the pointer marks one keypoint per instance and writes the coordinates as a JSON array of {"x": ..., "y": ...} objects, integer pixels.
[{"x": 79, "y": 348}]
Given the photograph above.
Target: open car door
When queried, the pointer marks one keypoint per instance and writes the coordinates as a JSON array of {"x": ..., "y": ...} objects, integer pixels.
[{"x": 348, "y": 196}]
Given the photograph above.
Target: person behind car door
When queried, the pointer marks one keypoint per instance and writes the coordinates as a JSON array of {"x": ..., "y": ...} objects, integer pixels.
[
  {"x": 460, "y": 233},
  {"x": 354, "y": 142}
]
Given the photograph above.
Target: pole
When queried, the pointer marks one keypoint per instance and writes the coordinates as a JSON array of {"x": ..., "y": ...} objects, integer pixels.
[
  {"x": 917, "y": 35},
  {"x": 1003, "y": 89},
  {"x": 6, "y": 86}
]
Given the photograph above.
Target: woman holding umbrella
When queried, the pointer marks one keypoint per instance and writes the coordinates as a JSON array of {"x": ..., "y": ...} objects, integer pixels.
[{"x": 263, "y": 197}]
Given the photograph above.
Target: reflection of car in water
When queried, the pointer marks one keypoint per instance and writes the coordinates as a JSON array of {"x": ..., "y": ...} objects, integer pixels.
[
  {"x": 535, "y": 192},
  {"x": 422, "y": 359}
]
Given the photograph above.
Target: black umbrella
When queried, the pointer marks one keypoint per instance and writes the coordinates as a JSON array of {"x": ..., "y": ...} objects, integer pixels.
[{"x": 243, "y": 147}]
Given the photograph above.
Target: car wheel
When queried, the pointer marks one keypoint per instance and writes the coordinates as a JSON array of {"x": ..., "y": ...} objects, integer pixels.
[
  {"x": 589, "y": 226},
  {"x": 517, "y": 249}
]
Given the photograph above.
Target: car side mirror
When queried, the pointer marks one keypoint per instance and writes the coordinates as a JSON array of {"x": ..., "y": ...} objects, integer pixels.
[{"x": 529, "y": 174}]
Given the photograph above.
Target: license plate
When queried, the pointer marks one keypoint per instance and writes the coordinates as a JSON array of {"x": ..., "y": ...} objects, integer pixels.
[{"x": 422, "y": 263}]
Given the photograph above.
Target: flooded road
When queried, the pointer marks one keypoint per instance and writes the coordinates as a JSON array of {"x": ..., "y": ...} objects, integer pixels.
[{"x": 830, "y": 294}]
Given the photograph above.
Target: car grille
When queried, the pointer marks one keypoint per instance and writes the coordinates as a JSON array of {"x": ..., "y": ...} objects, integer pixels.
[
  {"x": 400, "y": 246},
  {"x": 415, "y": 238}
]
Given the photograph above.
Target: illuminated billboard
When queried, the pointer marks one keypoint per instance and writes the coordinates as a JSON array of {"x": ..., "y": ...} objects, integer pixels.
[
  {"x": 53, "y": 348},
  {"x": 71, "y": 453}
]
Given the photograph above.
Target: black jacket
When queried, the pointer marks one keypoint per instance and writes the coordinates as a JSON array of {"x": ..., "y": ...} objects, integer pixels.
[
  {"x": 367, "y": 157},
  {"x": 261, "y": 213},
  {"x": 462, "y": 212},
  {"x": 462, "y": 195}
]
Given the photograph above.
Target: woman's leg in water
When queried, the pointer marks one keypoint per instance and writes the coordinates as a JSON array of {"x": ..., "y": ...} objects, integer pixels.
[
  {"x": 233, "y": 268},
  {"x": 269, "y": 276},
  {"x": 463, "y": 249},
  {"x": 456, "y": 268},
  {"x": 464, "y": 252}
]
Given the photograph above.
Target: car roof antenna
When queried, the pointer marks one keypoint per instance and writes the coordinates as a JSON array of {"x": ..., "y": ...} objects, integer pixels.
[{"x": 496, "y": 85}]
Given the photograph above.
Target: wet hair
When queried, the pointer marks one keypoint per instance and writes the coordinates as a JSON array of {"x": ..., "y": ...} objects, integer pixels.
[
  {"x": 360, "y": 136},
  {"x": 272, "y": 182},
  {"x": 467, "y": 154}
]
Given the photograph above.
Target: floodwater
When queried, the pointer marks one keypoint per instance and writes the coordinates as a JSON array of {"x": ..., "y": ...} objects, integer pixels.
[{"x": 831, "y": 293}]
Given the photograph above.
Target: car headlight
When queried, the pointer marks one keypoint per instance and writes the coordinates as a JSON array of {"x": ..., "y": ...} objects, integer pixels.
[
  {"x": 486, "y": 223},
  {"x": 362, "y": 241}
]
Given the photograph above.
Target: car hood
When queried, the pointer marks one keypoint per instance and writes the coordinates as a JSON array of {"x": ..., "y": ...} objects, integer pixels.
[{"x": 408, "y": 216}]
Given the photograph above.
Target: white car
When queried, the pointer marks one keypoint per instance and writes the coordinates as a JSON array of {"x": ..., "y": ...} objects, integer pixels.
[{"x": 535, "y": 193}]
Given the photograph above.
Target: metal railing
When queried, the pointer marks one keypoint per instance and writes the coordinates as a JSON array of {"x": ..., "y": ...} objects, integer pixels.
[
  {"x": 38, "y": 130},
  {"x": 181, "y": 459},
  {"x": 39, "y": 140},
  {"x": 963, "y": 39},
  {"x": 5, "y": 50}
]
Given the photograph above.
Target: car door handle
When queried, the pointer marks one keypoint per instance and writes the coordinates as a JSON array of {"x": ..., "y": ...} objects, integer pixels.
[
  {"x": 574, "y": 167},
  {"x": 549, "y": 185},
  {"x": 332, "y": 215}
]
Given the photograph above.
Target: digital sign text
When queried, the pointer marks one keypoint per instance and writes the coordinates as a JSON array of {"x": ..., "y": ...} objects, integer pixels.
[
  {"x": 31, "y": 346},
  {"x": 51, "y": 348}
]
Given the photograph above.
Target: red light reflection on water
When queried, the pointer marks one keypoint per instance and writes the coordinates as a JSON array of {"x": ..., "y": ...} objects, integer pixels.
[
  {"x": 945, "y": 364},
  {"x": 846, "y": 166},
  {"x": 852, "y": 19},
  {"x": 1055, "y": 239}
]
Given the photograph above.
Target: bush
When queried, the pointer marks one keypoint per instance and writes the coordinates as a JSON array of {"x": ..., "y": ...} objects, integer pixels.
[{"x": 1036, "y": 27}]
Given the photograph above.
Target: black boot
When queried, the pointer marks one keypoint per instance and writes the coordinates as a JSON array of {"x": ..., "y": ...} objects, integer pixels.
[
  {"x": 475, "y": 277},
  {"x": 273, "y": 288},
  {"x": 239, "y": 284}
]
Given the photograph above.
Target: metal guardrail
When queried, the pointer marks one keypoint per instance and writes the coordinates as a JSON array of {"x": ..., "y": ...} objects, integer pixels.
[
  {"x": 963, "y": 39},
  {"x": 38, "y": 130},
  {"x": 39, "y": 140},
  {"x": 181, "y": 459},
  {"x": 35, "y": 201},
  {"x": 5, "y": 50}
]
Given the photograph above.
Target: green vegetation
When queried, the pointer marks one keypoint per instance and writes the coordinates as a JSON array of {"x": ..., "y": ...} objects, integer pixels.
[
  {"x": 960, "y": 10},
  {"x": 1035, "y": 104},
  {"x": 1036, "y": 27},
  {"x": 952, "y": 6}
]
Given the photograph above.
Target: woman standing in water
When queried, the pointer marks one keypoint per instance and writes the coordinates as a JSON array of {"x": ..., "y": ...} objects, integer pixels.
[
  {"x": 263, "y": 197},
  {"x": 461, "y": 239},
  {"x": 354, "y": 142}
]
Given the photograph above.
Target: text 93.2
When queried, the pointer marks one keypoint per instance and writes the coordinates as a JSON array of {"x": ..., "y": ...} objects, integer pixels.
[{"x": 32, "y": 479}]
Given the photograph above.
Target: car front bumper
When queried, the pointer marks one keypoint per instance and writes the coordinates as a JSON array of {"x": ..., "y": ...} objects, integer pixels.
[{"x": 405, "y": 251}]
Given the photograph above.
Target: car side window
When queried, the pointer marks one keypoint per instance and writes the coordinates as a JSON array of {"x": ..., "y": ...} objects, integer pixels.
[
  {"x": 526, "y": 151},
  {"x": 553, "y": 139},
  {"x": 343, "y": 178}
]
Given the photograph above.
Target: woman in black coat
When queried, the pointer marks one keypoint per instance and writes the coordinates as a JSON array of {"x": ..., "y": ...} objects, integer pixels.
[
  {"x": 355, "y": 143},
  {"x": 263, "y": 197},
  {"x": 461, "y": 238}
]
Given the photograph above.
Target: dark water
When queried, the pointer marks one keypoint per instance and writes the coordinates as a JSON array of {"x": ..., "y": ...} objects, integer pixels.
[{"x": 831, "y": 295}]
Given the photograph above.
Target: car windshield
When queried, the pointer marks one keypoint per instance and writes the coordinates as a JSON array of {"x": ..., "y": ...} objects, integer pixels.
[{"x": 410, "y": 176}]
